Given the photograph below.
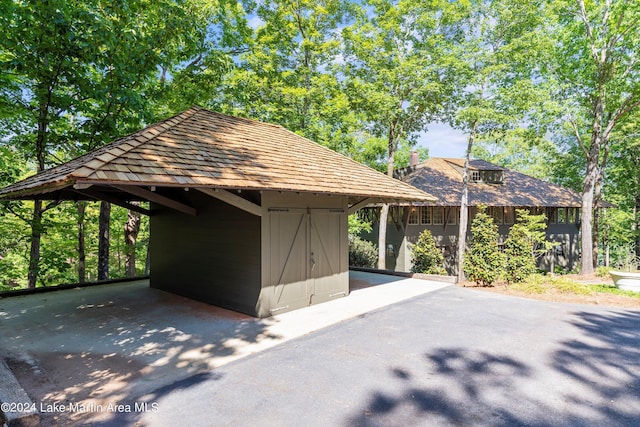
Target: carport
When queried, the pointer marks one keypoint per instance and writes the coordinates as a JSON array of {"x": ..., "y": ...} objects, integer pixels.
[
  {"x": 127, "y": 342},
  {"x": 244, "y": 215}
]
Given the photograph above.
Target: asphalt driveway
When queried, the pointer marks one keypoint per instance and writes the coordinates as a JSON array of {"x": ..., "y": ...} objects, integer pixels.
[
  {"x": 451, "y": 357},
  {"x": 80, "y": 352},
  {"x": 410, "y": 353}
]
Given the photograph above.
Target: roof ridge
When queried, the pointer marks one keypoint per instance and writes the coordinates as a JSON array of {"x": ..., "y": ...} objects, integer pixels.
[
  {"x": 324, "y": 147},
  {"x": 134, "y": 140},
  {"x": 246, "y": 119}
]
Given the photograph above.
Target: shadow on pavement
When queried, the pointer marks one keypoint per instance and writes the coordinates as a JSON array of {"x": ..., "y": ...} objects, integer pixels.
[
  {"x": 365, "y": 279},
  {"x": 608, "y": 362},
  {"x": 595, "y": 381},
  {"x": 114, "y": 344},
  {"x": 124, "y": 345}
]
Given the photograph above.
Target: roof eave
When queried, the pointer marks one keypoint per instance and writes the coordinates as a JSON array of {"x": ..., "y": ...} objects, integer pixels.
[
  {"x": 37, "y": 192},
  {"x": 32, "y": 193}
]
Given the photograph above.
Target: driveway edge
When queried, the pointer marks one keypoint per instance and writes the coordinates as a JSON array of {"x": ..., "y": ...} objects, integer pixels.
[{"x": 12, "y": 393}]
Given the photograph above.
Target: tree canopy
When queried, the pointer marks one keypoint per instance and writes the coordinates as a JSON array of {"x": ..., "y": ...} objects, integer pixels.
[{"x": 550, "y": 88}]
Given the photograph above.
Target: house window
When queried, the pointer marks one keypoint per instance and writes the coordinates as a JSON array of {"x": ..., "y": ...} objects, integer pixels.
[
  {"x": 572, "y": 215},
  {"x": 438, "y": 215},
  {"x": 413, "y": 215},
  {"x": 490, "y": 176},
  {"x": 538, "y": 211},
  {"x": 509, "y": 215},
  {"x": 562, "y": 216},
  {"x": 552, "y": 215},
  {"x": 426, "y": 212},
  {"x": 452, "y": 216},
  {"x": 496, "y": 213}
]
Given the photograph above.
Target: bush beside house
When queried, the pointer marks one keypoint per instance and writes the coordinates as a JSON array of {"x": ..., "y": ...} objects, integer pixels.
[
  {"x": 427, "y": 258},
  {"x": 483, "y": 261},
  {"x": 362, "y": 253},
  {"x": 526, "y": 242}
]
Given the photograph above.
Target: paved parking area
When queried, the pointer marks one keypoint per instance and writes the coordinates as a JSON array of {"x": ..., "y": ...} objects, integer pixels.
[
  {"x": 90, "y": 348},
  {"x": 399, "y": 353},
  {"x": 453, "y": 357}
]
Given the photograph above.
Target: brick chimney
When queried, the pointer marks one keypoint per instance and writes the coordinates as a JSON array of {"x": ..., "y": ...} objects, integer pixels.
[{"x": 414, "y": 159}]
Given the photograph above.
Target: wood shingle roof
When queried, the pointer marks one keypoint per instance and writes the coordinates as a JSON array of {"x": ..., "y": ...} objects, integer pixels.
[
  {"x": 442, "y": 177},
  {"x": 204, "y": 149}
]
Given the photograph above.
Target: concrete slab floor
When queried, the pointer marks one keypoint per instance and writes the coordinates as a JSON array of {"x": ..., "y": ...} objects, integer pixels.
[{"x": 94, "y": 347}]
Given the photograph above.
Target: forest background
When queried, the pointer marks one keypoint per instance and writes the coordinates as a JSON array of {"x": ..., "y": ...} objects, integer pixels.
[{"x": 549, "y": 88}]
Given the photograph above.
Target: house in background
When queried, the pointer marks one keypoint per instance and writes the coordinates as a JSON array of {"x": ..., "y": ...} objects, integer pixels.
[
  {"x": 501, "y": 190},
  {"x": 245, "y": 215}
]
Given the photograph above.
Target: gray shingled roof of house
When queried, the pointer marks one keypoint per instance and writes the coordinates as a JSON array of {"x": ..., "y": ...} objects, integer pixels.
[{"x": 442, "y": 177}]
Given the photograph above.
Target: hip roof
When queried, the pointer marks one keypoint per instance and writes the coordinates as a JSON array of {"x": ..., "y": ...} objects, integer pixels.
[{"x": 204, "y": 149}]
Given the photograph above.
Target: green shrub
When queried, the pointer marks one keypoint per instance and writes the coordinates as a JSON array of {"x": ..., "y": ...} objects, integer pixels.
[
  {"x": 526, "y": 242},
  {"x": 566, "y": 285},
  {"x": 603, "y": 271},
  {"x": 539, "y": 284},
  {"x": 357, "y": 225},
  {"x": 610, "y": 289},
  {"x": 625, "y": 258},
  {"x": 534, "y": 284},
  {"x": 362, "y": 253},
  {"x": 483, "y": 260},
  {"x": 519, "y": 260},
  {"x": 427, "y": 258}
]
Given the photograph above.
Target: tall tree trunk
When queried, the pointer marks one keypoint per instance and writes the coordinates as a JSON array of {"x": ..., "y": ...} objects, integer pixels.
[
  {"x": 34, "y": 252},
  {"x": 586, "y": 265},
  {"x": 382, "y": 237},
  {"x": 590, "y": 183},
  {"x": 464, "y": 206},
  {"x": 131, "y": 230},
  {"x": 597, "y": 199},
  {"x": 38, "y": 210},
  {"x": 635, "y": 226},
  {"x": 82, "y": 265},
  {"x": 147, "y": 263},
  {"x": 596, "y": 235},
  {"x": 103, "y": 241},
  {"x": 597, "y": 195},
  {"x": 384, "y": 211}
]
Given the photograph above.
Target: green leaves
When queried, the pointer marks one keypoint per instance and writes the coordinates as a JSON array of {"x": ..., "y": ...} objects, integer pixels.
[
  {"x": 526, "y": 242},
  {"x": 400, "y": 65},
  {"x": 76, "y": 75},
  {"x": 427, "y": 258},
  {"x": 483, "y": 261}
]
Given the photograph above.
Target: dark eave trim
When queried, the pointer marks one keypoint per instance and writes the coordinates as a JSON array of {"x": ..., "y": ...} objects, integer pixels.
[{"x": 157, "y": 198}]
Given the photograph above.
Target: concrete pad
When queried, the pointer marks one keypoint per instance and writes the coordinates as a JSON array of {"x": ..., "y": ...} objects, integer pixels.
[
  {"x": 16, "y": 407},
  {"x": 81, "y": 350}
]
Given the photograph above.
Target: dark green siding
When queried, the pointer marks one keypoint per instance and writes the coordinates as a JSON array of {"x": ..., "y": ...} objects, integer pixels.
[{"x": 213, "y": 257}]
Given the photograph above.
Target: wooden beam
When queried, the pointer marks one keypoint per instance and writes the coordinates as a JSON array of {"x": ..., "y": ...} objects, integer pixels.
[
  {"x": 359, "y": 205},
  {"x": 97, "y": 195},
  {"x": 233, "y": 200},
  {"x": 81, "y": 186},
  {"x": 157, "y": 198}
]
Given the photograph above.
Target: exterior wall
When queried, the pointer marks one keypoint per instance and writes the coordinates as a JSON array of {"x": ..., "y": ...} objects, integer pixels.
[
  {"x": 305, "y": 251},
  {"x": 566, "y": 254},
  {"x": 294, "y": 255},
  {"x": 213, "y": 257}
]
